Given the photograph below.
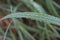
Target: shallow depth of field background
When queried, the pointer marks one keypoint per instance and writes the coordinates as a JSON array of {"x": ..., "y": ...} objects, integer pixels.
[{"x": 29, "y": 19}]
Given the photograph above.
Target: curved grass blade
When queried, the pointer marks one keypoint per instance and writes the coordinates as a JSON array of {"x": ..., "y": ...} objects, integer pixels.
[
  {"x": 6, "y": 32},
  {"x": 35, "y": 16}
]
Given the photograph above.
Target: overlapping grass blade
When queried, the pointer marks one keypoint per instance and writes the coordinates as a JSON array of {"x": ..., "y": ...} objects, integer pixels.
[
  {"x": 34, "y": 16},
  {"x": 5, "y": 34},
  {"x": 12, "y": 35},
  {"x": 51, "y": 7},
  {"x": 25, "y": 32},
  {"x": 20, "y": 35}
]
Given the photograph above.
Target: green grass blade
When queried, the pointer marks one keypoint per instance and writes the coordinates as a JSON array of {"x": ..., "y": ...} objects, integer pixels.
[
  {"x": 27, "y": 33},
  {"x": 51, "y": 7},
  {"x": 34, "y": 16},
  {"x": 6, "y": 32},
  {"x": 20, "y": 35},
  {"x": 12, "y": 35}
]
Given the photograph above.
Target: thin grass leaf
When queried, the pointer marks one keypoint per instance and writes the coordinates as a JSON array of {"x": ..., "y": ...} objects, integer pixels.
[
  {"x": 41, "y": 27},
  {"x": 6, "y": 32},
  {"x": 18, "y": 31},
  {"x": 54, "y": 30},
  {"x": 1, "y": 30},
  {"x": 56, "y": 4},
  {"x": 12, "y": 35},
  {"x": 27, "y": 33},
  {"x": 29, "y": 27},
  {"x": 42, "y": 36},
  {"x": 20, "y": 35},
  {"x": 51, "y": 7},
  {"x": 47, "y": 34}
]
